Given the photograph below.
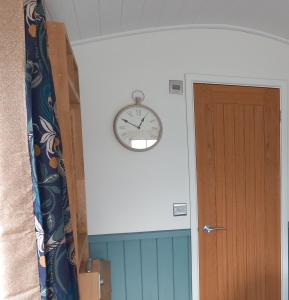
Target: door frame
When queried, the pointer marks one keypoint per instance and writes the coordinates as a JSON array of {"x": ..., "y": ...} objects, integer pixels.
[{"x": 190, "y": 79}]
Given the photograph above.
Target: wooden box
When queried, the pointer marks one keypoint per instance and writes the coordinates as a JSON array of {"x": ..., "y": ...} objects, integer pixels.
[
  {"x": 96, "y": 285},
  {"x": 89, "y": 285},
  {"x": 103, "y": 268}
]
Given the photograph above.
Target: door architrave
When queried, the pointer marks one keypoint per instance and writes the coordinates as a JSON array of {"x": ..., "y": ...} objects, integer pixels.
[{"x": 190, "y": 79}]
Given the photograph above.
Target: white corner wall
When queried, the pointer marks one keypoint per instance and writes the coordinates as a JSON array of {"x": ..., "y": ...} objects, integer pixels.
[{"x": 135, "y": 192}]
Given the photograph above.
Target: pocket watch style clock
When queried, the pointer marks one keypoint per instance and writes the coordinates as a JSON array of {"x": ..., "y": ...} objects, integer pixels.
[{"x": 137, "y": 127}]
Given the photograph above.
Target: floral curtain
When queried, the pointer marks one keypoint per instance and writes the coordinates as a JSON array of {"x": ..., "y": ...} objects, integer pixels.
[{"x": 57, "y": 270}]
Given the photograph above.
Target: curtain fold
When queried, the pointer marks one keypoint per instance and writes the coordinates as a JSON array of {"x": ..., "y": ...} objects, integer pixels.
[{"x": 55, "y": 247}]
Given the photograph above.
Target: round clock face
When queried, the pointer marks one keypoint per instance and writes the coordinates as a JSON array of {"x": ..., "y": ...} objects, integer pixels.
[{"x": 137, "y": 127}]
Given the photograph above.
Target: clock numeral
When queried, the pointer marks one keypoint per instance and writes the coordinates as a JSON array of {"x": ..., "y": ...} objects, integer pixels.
[
  {"x": 122, "y": 127},
  {"x": 152, "y": 121},
  {"x": 130, "y": 114},
  {"x": 155, "y": 128},
  {"x": 138, "y": 112},
  {"x": 124, "y": 134}
]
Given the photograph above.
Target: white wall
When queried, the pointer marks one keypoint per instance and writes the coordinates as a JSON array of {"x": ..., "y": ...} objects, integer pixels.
[{"x": 133, "y": 192}]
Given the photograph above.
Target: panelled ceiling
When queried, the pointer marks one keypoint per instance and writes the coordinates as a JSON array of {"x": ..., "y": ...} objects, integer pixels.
[{"x": 93, "y": 18}]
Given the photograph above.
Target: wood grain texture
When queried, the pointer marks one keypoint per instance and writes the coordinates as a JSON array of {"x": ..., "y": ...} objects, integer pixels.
[
  {"x": 238, "y": 173},
  {"x": 89, "y": 286},
  {"x": 103, "y": 268},
  {"x": 65, "y": 76},
  {"x": 79, "y": 167}
]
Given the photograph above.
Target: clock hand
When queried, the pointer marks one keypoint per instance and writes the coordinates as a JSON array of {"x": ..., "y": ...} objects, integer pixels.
[
  {"x": 126, "y": 121},
  {"x": 142, "y": 120}
]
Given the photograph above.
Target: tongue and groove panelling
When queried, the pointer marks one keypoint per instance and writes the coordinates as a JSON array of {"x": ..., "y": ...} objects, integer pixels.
[{"x": 147, "y": 266}]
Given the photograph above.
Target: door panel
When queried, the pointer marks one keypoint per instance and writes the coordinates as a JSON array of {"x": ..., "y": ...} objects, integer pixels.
[{"x": 238, "y": 177}]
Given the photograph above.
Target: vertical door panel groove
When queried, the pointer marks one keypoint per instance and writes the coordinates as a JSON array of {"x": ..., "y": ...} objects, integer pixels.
[{"x": 241, "y": 235}]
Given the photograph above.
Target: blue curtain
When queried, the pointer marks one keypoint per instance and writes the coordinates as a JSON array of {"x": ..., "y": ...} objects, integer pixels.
[{"x": 57, "y": 270}]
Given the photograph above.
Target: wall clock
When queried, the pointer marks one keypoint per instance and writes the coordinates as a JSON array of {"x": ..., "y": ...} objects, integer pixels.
[{"x": 137, "y": 127}]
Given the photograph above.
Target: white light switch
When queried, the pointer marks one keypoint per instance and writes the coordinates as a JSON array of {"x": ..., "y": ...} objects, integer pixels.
[{"x": 180, "y": 209}]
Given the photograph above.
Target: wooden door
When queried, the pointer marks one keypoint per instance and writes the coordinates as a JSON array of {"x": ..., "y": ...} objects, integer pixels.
[{"x": 238, "y": 177}]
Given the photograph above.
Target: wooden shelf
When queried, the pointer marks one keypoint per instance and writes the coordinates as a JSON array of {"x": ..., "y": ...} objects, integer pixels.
[
  {"x": 82, "y": 244},
  {"x": 73, "y": 94},
  {"x": 65, "y": 77}
]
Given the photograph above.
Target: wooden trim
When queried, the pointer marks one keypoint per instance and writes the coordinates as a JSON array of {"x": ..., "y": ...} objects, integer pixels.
[
  {"x": 73, "y": 93},
  {"x": 66, "y": 82},
  {"x": 183, "y": 27},
  {"x": 116, "y": 237},
  {"x": 229, "y": 80}
]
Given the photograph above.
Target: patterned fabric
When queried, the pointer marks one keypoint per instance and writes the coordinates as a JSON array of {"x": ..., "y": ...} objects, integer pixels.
[{"x": 57, "y": 271}]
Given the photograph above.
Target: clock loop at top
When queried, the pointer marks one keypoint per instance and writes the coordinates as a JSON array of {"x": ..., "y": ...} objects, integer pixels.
[{"x": 138, "y": 96}]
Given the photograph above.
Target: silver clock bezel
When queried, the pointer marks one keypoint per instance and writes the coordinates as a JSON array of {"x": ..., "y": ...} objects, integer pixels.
[{"x": 119, "y": 138}]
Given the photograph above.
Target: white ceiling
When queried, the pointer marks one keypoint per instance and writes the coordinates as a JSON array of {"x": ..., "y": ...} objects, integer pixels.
[{"x": 92, "y": 18}]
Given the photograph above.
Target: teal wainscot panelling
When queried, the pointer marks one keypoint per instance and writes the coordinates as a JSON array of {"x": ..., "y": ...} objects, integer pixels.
[{"x": 147, "y": 266}]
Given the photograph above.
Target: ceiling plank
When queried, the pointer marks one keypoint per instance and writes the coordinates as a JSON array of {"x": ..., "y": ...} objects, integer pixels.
[
  {"x": 151, "y": 13},
  {"x": 87, "y": 12},
  {"x": 64, "y": 11},
  {"x": 111, "y": 11},
  {"x": 171, "y": 13},
  {"x": 132, "y": 14},
  {"x": 188, "y": 11}
]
